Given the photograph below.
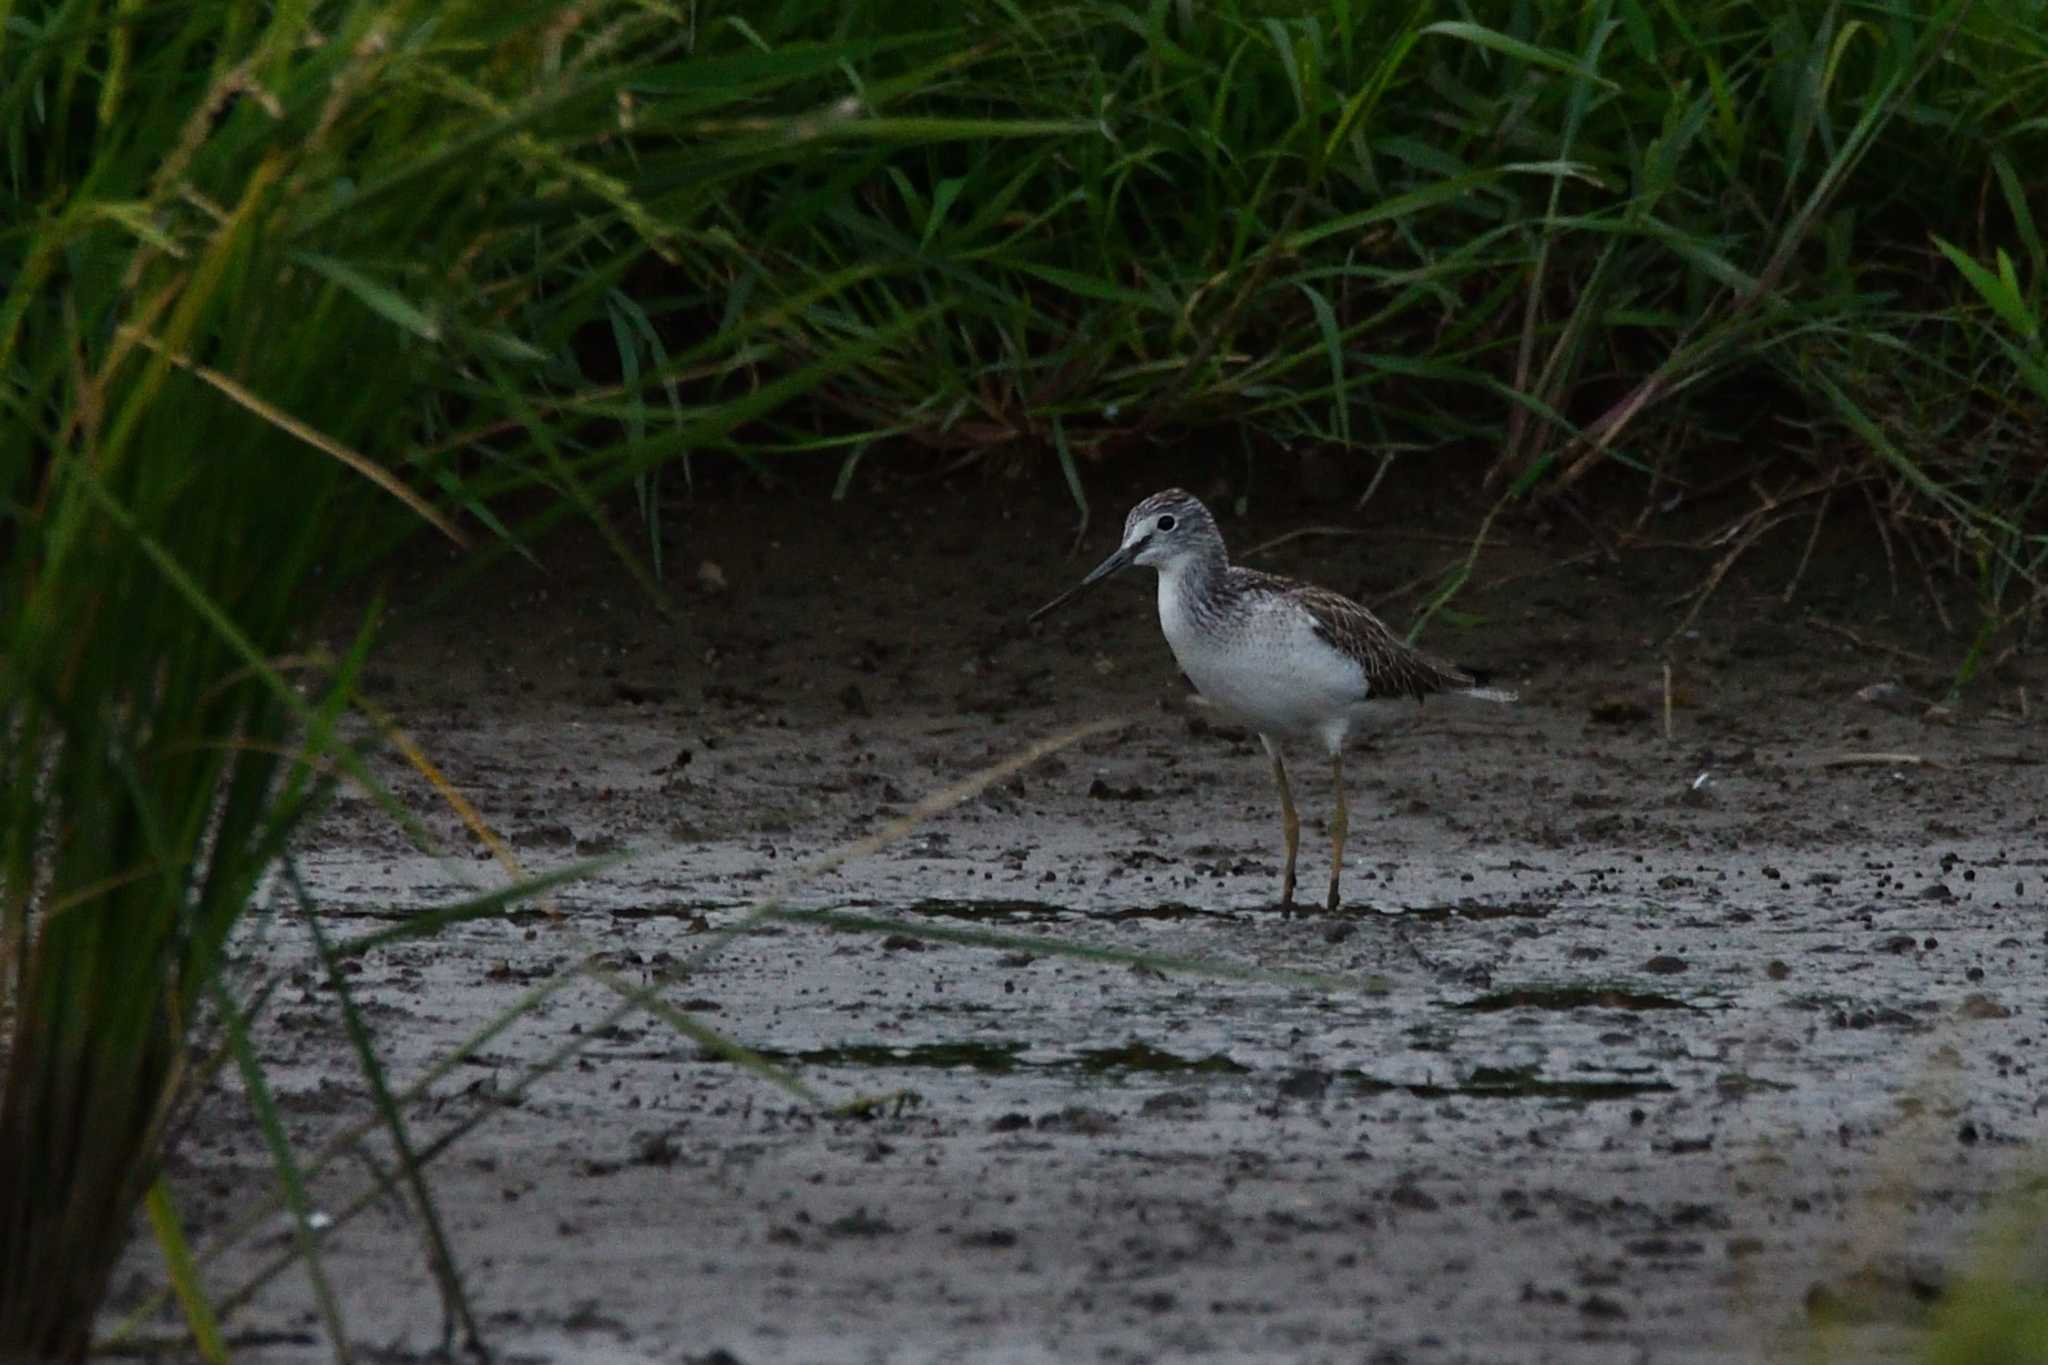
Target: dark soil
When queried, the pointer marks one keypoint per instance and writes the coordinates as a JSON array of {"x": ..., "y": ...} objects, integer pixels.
[{"x": 1692, "y": 1047}]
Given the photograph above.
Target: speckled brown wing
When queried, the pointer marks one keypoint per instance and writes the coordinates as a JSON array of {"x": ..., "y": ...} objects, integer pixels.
[{"x": 1393, "y": 667}]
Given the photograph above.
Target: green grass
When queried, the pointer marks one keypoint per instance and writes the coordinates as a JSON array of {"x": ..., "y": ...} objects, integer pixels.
[
  {"x": 254, "y": 263},
  {"x": 1623, "y": 234},
  {"x": 1682, "y": 241}
]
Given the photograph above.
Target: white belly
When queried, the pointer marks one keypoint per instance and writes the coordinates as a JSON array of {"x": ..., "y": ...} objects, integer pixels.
[{"x": 1268, "y": 668}]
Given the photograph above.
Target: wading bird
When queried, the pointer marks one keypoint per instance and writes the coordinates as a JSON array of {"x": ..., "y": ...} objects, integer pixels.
[{"x": 1289, "y": 659}]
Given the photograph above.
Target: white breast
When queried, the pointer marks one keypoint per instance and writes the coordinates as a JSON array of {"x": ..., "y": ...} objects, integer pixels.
[{"x": 1265, "y": 665}]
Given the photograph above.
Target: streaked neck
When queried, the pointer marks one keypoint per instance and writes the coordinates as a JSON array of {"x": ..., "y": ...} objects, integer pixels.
[{"x": 1193, "y": 580}]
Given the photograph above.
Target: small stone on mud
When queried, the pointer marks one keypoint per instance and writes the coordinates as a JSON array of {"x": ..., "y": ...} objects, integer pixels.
[
  {"x": 1413, "y": 1197},
  {"x": 1891, "y": 697},
  {"x": 1777, "y": 969},
  {"x": 1079, "y": 1120},
  {"x": 1009, "y": 1123},
  {"x": 1305, "y": 1083},
  {"x": 1614, "y": 709},
  {"x": 1699, "y": 1216},
  {"x": 1665, "y": 964},
  {"x": 1098, "y": 790},
  {"x": 860, "y": 1223},
  {"x": 903, "y": 943},
  {"x": 1600, "y": 1306},
  {"x": 654, "y": 1149},
  {"x": 1879, "y": 1017},
  {"x": 1900, "y": 943},
  {"x": 995, "y": 1239}
]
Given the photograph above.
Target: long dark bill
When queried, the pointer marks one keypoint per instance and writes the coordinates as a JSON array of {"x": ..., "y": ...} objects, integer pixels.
[{"x": 1120, "y": 560}]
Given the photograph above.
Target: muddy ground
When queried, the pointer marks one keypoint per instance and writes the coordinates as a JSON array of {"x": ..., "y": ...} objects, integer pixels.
[{"x": 1708, "y": 1047}]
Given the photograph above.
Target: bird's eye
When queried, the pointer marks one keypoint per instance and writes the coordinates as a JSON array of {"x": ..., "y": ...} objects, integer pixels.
[{"x": 1165, "y": 523}]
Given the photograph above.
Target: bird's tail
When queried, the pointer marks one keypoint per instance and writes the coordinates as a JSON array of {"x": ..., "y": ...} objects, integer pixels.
[{"x": 1482, "y": 688}]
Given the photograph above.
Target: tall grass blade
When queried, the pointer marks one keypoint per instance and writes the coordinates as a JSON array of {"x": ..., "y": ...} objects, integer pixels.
[
  {"x": 291, "y": 1179},
  {"x": 183, "y": 1273},
  {"x": 440, "y": 1259}
]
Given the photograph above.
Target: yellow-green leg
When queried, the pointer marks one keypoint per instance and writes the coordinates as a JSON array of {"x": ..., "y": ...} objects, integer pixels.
[
  {"x": 1290, "y": 824},
  {"x": 1340, "y": 825}
]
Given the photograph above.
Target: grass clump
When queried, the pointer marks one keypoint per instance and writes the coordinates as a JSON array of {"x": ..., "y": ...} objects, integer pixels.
[
  {"x": 255, "y": 265},
  {"x": 1699, "y": 242}
]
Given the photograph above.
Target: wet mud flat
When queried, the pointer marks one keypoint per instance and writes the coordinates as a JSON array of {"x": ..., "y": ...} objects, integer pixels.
[{"x": 1655, "y": 1048}]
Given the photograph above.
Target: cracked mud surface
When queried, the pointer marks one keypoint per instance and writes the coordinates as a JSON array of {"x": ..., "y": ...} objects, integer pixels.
[{"x": 1633, "y": 1065}]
